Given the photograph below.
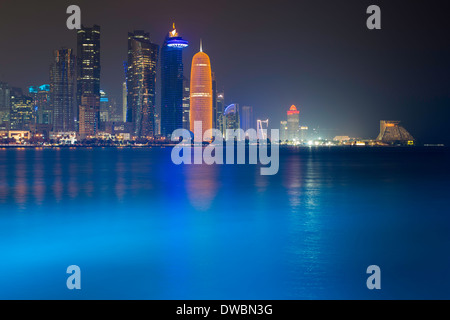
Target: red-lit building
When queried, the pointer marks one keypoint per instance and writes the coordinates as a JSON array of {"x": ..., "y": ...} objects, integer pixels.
[{"x": 293, "y": 121}]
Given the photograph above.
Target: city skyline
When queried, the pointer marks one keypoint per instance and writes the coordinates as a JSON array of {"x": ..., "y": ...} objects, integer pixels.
[
  {"x": 224, "y": 157},
  {"x": 339, "y": 95}
]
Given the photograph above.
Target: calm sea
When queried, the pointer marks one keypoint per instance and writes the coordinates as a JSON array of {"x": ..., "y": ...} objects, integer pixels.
[{"x": 140, "y": 227}]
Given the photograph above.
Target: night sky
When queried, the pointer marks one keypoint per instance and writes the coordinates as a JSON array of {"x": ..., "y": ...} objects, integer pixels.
[{"x": 316, "y": 54}]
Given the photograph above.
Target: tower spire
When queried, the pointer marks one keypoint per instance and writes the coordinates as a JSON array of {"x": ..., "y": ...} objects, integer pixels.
[{"x": 201, "y": 47}]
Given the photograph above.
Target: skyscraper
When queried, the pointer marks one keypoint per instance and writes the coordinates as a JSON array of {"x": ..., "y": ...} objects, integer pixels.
[
  {"x": 89, "y": 115},
  {"x": 124, "y": 102},
  {"x": 214, "y": 100},
  {"x": 231, "y": 120},
  {"x": 88, "y": 63},
  {"x": 115, "y": 110},
  {"x": 201, "y": 93},
  {"x": 293, "y": 121},
  {"x": 220, "y": 106},
  {"x": 172, "y": 82},
  {"x": 5, "y": 106},
  {"x": 141, "y": 82},
  {"x": 41, "y": 103},
  {"x": 246, "y": 116},
  {"x": 22, "y": 114},
  {"x": 186, "y": 104},
  {"x": 62, "y": 86},
  {"x": 105, "y": 107}
]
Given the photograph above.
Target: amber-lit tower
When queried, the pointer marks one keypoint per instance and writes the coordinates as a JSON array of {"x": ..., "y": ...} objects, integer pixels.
[{"x": 201, "y": 93}]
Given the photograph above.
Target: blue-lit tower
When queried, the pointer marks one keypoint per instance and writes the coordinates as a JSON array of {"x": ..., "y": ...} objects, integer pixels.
[{"x": 172, "y": 83}]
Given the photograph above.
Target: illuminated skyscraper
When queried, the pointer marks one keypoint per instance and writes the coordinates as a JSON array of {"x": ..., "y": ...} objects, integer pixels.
[
  {"x": 41, "y": 103},
  {"x": 105, "y": 107},
  {"x": 172, "y": 82},
  {"x": 201, "y": 93},
  {"x": 22, "y": 114},
  {"x": 141, "y": 82},
  {"x": 62, "y": 87},
  {"x": 220, "y": 106},
  {"x": 214, "y": 100},
  {"x": 124, "y": 102},
  {"x": 5, "y": 106},
  {"x": 293, "y": 121},
  {"x": 246, "y": 116},
  {"x": 231, "y": 119},
  {"x": 88, "y": 63},
  {"x": 89, "y": 115},
  {"x": 115, "y": 110},
  {"x": 186, "y": 104}
]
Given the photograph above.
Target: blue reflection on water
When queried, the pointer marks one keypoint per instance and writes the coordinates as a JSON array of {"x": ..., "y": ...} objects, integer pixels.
[{"x": 142, "y": 228}]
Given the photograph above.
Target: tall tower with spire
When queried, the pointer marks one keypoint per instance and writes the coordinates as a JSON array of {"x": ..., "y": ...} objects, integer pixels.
[
  {"x": 201, "y": 93},
  {"x": 172, "y": 82}
]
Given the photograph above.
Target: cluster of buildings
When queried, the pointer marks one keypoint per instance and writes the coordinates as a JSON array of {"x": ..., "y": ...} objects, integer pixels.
[
  {"x": 292, "y": 133},
  {"x": 73, "y": 107}
]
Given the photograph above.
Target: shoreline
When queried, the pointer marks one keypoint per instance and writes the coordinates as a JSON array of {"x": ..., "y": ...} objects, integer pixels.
[{"x": 173, "y": 145}]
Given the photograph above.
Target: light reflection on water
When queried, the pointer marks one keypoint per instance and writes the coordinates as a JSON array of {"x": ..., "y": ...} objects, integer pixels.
[
  {"x": 163, "y": 231},
  {"x": 201, "y": 185}
]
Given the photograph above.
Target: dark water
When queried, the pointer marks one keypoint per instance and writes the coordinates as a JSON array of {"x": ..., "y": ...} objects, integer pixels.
[{"x": 141, "y": 227}]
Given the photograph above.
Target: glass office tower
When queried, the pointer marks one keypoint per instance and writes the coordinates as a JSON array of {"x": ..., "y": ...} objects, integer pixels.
[{"x": 141, "y": 83}]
